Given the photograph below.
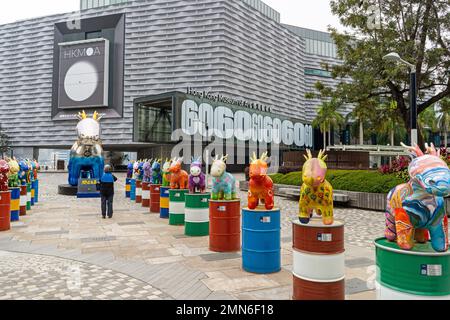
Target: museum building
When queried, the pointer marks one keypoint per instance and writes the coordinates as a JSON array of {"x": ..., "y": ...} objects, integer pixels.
[{"x": 150, "y": 67}]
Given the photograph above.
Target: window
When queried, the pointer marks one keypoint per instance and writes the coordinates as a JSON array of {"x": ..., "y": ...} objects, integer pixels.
[
  {"x": 318, "y": 72},
  {"x": 93, "y": 35}
]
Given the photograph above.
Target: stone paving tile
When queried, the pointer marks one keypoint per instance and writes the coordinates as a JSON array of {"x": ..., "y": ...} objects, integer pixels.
[{"x": 176, "y": 264}]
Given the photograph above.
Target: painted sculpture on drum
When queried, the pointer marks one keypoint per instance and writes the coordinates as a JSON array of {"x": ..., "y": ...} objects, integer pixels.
[
  {"x": 156, "y": 172},
  {"x": 197, "y": 179},
  {"x": 23, "y": 172},
  {"x": 86, "y": 159},
  {"x": 130, "y": 170},
  {"x": 316, "y": 193},
  {"x": 260, "y": 185},
  {"x": 224, "y": 184},
  {"x": 37, "y": 168},
  {"x": 178, "y": 177},
  {"x": 4, "y": 171},
  {"x": 13, "y": 175},
  {"x": 166, "y": 173},
  {"x": 147, "y": 168},
  {"x": 415, "y": 210}
]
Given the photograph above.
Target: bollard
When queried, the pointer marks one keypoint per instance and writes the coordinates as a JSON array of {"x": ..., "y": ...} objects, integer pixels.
[
  {"x": 15, "y": 204},
  {"x": 5, "y": 210},
  {"x": 319, "y": 261},
  {"x": 164, "y": 202},
  {"x": 419, "y": 274},
  {"x": 261, "y": 240},
  {"x": 177, "y": 206},
  {"x": 155, "y": 198},
  {"x": 225, "y": 225},
  {"x": 197, "y": 214},
  {"x": 23, "y": 200},
  {"x": 146, "y": 194}
]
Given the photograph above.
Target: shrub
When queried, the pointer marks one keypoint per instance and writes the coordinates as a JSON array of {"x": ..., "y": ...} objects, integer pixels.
[
  {"x": 348, "y": 180},
  {"x": 399, "y": 167},
  {"x": 286, "y": 170}
]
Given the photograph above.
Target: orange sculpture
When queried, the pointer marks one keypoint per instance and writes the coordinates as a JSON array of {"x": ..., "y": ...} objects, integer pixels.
[
  {"x": 261, "y": 185},
  {"x": 179, "y": 179}
]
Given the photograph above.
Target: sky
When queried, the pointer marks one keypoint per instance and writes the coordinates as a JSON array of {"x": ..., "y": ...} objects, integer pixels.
[{"x": 313, "y": 14}]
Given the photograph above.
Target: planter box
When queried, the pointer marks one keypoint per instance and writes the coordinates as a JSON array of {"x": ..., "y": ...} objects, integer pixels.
[{"x": 361, "y": 200}]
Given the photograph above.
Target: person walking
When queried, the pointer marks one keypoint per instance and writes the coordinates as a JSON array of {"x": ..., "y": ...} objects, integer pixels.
[{"x": 107, "y": 192}]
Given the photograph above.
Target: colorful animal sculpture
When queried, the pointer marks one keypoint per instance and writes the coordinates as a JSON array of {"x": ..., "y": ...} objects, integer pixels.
[
  {"x": 32, "y": 166},
  {"x": 136, "y": 170},
  {"x": 37, "y": 168},
  {"x": 197, "y": 179},
  {"x": 415, "y": 210},
  {"x": 23, "y": 172},
  {"x": 147, "y": 168},
  {"x": 224, "y": 184},
  {"x": 86, "y": 155},
  {"x": 13, "y": 175},
  {"x": 166, "y": 173},
  {"x": 157, "y": 172},
  {"x": 260, "y": 185},
  {"x": 178, "y": 177},
  {"x": 4, "y": 171},
  {"x": 316, "y": 193},
  {"x": 130, "y": 170}
]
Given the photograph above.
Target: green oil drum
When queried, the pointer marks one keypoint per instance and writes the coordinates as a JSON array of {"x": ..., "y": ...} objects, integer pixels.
[
  {"x": 421, "y": 273},
  {"x": 28, "y": 196},
  {"x": 197, "y": 214},
  {"x": 177, "y": 206}
]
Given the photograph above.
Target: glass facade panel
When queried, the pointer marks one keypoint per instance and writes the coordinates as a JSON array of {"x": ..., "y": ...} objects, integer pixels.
[
  {"x": 154, "y": 124},
  {"x": 318, "y": 72}
]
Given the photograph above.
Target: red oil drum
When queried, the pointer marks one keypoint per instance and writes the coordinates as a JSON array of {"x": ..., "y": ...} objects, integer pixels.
[
  {"x": 23, "y": 200},
  {"x": 319, "y": 261},
  {"x": 5, "y": 210},
  {"x": 225, "y": 225},
  {"x": 155, "y": 198},
  {"x": 138, "y": 191},
  {"x": 146, "y": 194}
]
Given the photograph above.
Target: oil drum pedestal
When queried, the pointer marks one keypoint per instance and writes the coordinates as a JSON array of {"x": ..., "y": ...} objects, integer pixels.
[
  {"x": 155, "y": 198},
  {"x": 225, "y": 225},
  {"x": 23, "y": 200},
  {"x": 197, "y": 214},
  {"x": 177, "y": 206},
  {"x": 261, "y": 240},
  {"x": 5, "y": 210},
  {"x": 15, "y": 204},
  {"x": 128, "y": 188},
  {"x": 319, "y": 261},
  {"x": 419, "y": 274},
  {"x": 146, "y": 194},
  {"x": 164, "y": 203},
  {"x": 138, "y": 191},
  {"x": 133, "y": 189}
]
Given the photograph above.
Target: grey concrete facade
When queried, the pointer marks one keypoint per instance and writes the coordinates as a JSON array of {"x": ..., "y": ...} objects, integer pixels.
[{"x": 221, "y": 46}]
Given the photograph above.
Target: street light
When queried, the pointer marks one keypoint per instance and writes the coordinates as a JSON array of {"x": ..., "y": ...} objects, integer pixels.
[
  {"x": 206, "y": 148},
  {"x": 395, "y": 57}
]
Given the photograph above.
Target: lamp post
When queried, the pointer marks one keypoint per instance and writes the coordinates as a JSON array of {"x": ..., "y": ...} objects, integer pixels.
[
  {"x": 395, "y": 57},
  {"x": 205, "y": 124}
]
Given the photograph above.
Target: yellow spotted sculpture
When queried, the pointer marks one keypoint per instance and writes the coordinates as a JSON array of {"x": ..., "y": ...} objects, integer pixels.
[{"x": 316, "y": 193}]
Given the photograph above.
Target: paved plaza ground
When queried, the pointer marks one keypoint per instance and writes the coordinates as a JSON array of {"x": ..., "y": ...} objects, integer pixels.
[{"x": 64, "y": 250}]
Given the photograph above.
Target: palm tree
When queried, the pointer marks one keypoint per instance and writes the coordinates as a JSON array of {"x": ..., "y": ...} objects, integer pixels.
[
  {"x": 444, "y": 118},
  {"x": 428, "y": 121},
  {"x": 389, "y": 122},
  {"x": 360, "y": 114},
  {"x": 328, "y": 118}
]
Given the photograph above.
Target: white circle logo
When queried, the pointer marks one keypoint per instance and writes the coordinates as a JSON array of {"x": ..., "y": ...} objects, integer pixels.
[
  {"x": 89, "y": 52},
  {"x": 81, "y": 81}
]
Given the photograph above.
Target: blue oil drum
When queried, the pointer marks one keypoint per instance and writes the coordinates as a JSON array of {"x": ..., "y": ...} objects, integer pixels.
[
  {"x": 164, "y": 203},
  {"x": 133, "y": 190},
  {"x": 128, "y": 188},
  {"x": 15, "y": 204},
  {"x": 261, "y": 240},
  {"x": 32, "y": 192},
  {"x": 36, "y": 191}
]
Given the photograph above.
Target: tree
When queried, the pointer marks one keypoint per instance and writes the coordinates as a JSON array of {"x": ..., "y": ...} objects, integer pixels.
[
  {"x": 428, "y": 123},
  {"x": 419, "y": 30},
  {"x": 328, "y": 118},
  {"x": 388, "y": 122},
  {"x": 444, "y": 118},
  {"x": 4, "y": 142}
]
